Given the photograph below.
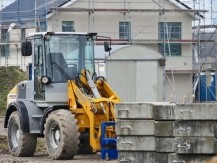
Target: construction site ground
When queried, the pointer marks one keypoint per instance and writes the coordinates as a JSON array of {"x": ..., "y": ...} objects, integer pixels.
[{"x": 41, "y": 154}]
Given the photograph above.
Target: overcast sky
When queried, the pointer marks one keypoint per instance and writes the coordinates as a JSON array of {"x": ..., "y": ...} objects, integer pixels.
[
  {"x": 6, "y": 2},
  {"x": 211, "y": 15}
]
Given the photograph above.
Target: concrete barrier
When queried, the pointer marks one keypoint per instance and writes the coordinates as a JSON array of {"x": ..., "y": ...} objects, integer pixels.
[{"x": 164, "y": 132}]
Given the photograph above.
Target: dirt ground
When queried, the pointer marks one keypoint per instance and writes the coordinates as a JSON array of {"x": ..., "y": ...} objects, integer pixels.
[
  {"x": 41, "y": 154},
  {"x": 41, "y": 157},
  {"x": 2, "y": 130}
]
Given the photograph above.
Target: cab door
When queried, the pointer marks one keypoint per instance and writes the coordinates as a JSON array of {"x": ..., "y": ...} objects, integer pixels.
[{"x": 38, "y": 69}]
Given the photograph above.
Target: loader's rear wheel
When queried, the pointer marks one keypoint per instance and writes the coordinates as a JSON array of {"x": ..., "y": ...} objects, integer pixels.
[
  {"x": 20, "y": 143},
  {"x": 61, "y": 134}
]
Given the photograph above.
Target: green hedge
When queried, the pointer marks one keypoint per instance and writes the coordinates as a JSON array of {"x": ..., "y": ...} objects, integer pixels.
[{"x": 9, "y": 77}]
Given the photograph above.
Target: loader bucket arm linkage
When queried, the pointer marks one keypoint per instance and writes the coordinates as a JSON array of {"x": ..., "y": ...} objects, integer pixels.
[{"x": 92, "y": 103}]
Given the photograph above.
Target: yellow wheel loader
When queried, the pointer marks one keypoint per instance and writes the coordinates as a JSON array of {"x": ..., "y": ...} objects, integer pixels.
[{"x": 63, "y": 100}]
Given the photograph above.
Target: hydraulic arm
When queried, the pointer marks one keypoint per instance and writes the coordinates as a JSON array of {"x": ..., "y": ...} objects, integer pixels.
[{"x": 92, "y": 103}]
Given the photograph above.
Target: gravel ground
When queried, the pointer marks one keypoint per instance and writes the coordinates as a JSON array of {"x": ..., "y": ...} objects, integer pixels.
[{"x": 40, "y": 157}]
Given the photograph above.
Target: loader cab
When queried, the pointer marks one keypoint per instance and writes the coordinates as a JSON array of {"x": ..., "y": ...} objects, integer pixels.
[
  {"x": 55, "y": 58},
  {"x": 68, "y": 54}
]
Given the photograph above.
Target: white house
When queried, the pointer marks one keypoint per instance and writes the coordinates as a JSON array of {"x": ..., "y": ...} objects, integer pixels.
[{"x": 164, "y": 25}]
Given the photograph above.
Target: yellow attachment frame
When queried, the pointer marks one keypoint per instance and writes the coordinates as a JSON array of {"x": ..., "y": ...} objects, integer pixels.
[{"x": 88, "y": 110}]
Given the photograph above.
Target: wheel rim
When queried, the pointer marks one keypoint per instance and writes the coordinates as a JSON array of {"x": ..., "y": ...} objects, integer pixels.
[
  {"x": 55, "y": 135},
  {"x": 15, "y": 135}
]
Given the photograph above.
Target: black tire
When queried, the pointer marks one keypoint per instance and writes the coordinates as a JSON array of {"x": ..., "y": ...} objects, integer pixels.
[
  {"x": 61, "y": 134},
  {"x": 20, "y": 143},
  {"x": 84, "y": 146}
]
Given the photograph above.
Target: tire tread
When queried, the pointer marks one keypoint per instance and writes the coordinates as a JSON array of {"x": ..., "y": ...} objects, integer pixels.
[{"x": 69, "y": 134}]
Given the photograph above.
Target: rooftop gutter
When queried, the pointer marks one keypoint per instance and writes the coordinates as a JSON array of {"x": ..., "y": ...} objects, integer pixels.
[{"x": 182, "y": 5}]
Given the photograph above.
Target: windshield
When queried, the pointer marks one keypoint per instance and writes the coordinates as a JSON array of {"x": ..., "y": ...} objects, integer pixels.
[{"x": 71, "y": 53}]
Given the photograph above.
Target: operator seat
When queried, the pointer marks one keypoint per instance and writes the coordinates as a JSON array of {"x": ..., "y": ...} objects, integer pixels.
[
  {"x": 73, "y": 71},
  {"x": 53, "y": 61}
]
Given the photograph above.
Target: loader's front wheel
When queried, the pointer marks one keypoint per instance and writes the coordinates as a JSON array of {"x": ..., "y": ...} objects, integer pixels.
[
  {"x": 61, "y": 134},
  {"x": 20, "y": 143}
]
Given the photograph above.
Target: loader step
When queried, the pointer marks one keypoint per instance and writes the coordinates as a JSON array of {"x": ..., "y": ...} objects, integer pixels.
[{"x": 37, "y": 116}]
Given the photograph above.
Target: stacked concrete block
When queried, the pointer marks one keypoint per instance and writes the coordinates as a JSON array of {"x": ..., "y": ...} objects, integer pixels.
[{"x": 165, "y": 133}]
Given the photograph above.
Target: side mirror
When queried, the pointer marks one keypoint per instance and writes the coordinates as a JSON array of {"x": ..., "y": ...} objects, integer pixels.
[
  {"x": 26, "y": 49},
  {"x": 107, "y": 47}
]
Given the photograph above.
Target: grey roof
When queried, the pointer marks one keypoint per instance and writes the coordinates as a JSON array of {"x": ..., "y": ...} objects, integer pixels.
[
  {"x": 101, "y": 54},
  {"x": 22, "y": 11},
  {"x": 135, "y": 52},
  {"x": 183, "y": 4},
  {"x": 208, "y": 48}
]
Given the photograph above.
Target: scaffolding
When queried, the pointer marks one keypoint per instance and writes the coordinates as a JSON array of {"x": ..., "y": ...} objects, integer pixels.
[
  {"x": 205, "y": 50},
  {"x": 205, "y": 17},
  {"x": 52, "y": 7},
  {"x": 140, "y": 35}
]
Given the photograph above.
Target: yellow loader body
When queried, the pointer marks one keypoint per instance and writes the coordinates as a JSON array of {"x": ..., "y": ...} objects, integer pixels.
[{"x": 90, "y": 111}]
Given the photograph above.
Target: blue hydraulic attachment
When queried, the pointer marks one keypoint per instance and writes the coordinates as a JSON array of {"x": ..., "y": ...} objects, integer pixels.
[{"x": 108, "y": 145}]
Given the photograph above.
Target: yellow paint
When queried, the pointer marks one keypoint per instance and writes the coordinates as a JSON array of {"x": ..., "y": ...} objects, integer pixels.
[
  {"x": 90, "y": 114},
  {"x": 12, "y": 96}
]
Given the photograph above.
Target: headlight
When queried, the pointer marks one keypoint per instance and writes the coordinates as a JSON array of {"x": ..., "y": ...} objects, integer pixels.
[{"x": 44, "y": 80}]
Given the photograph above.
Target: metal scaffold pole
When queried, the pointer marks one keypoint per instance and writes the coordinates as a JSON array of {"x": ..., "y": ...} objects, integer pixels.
[{"x": 1, "y": 28}]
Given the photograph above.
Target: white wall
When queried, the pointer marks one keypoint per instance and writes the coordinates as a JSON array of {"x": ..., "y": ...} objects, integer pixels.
[
  {"x": 148, "y": 84},
  {"x": 15, "y": 58},
  {"x": 144, "y": 25},
  {"x": 122, "y": 79},
  {"x": 136, "y": 81},
  {"x": 181, "y": 92}
]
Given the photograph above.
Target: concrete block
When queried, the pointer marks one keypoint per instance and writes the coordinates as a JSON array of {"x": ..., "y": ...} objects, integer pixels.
[
  {"x": 142, "y": 157},
  {"x": 134, "y": 111},
  {"x": 135, "y": 127},
  {"x": 174, "y": 158},
  {"x": 165, "y": 145},
  {"x": 186, "y": 112},
  {"x": 185, "y": 128},
  {"x": 195, "y": 128},
  {"x": 164, "y": 112},
  {"x": 195, "y": 145},
  {"x": 164, "y": 128},
  {"x": 136, "y": 157},
  {"x": 136, "y": 143},
  {"x": 202, "y": 111},
  {"x": 186, "y": 145}
]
